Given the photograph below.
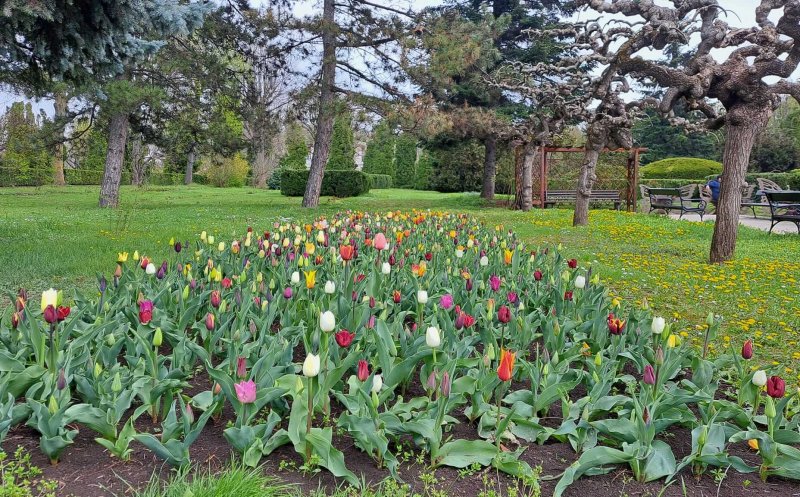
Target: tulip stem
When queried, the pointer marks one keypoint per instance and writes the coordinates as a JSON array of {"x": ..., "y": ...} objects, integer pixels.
[{"x": 310, "y": 417}]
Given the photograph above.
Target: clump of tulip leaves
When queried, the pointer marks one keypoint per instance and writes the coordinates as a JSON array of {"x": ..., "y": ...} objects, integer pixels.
[{"x": 405, "y": 324}]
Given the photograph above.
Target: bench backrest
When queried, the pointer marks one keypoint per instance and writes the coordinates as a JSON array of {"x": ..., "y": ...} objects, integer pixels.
[
  {"x": 765, "y": 184},
  {"x": 604, "y": 194},
  {"x": 783, "y": 197}
]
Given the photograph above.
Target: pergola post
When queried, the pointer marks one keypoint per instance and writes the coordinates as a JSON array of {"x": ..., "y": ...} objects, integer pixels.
[{"x": 542, "y": 176}]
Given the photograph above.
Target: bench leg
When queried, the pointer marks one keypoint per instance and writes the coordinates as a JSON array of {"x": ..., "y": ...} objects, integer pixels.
[{"x": 754, "y": 211}]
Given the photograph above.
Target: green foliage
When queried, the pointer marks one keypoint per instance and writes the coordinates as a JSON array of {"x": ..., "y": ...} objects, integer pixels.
[
  {"x": 296, "y": 149},
  {"x": 20, "y": 478},
  {"x": 777, "y": 149},
  {"x": 664, "y": 140},
  {"x": 405, "y": 159},
  {"x": 25, "y": 160},
  {"x": 236, "y": 480},
  {"x": 458, "y": 167},
  {"x": 379, "y": 157},
  {"x": 789, "y": 180},
  {"x": 90, "y": 176},
  {"x": 379, "y": 181},
  {"x": 422, "y": 178},
  {"x": 681, "y": 167},
  {"x": 226, "y": 171},
  {"x": 335, "y": 183},
  {"x": 342, "y": 151}
]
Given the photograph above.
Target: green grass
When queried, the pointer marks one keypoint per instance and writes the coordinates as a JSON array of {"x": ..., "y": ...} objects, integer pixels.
[
  {"x": 234, "y": 481},
  {"x": 58, "y": 237}
]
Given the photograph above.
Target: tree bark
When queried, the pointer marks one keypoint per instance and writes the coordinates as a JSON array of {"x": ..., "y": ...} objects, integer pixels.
[
  {"x": 188, "y": 176},
  {"x": 136, "y": 157},
  {"x": 112, "y": 174},
  {"x": 489, "y": 167},
  {"x": 595, "y": 142},
  {"x": 60, "y": 107},
  {"x": 528, "y": 163},
  {"x": 327, "y": 112},
  {"x": 742, "y": 127},
  {"x": 518, "y": 157}
]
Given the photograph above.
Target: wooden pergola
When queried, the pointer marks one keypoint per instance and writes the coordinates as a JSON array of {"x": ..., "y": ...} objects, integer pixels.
[{"x": 632, "y": 171}]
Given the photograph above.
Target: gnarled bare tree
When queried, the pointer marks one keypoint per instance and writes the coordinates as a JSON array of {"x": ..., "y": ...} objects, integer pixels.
[{"x": 748, "y": 82}]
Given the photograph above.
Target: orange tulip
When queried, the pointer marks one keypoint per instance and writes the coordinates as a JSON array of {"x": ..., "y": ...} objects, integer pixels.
[
  {"x": 346, "y": 251},
  {"x": 506, "y": 368}
]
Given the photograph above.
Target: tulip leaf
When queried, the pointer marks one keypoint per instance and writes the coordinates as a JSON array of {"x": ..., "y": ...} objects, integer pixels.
[
  {"x": 463, "y": 453},
  {"x": 596, "y": 459}
]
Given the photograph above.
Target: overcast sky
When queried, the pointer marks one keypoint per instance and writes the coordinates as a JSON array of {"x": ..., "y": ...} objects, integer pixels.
[{"x": 739, "y": 13}]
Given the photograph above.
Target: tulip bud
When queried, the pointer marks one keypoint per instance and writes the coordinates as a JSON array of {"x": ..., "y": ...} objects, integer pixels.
[
  {"x": 580, "y": 281},
  {"x": 422, "y": 297},
  {"x": 659, "y": 356},
  {"x": 311, "y": 366},
  {"x": 769, "y": 408},
  {"x": 210, "y": 321},
  {"x": 61, "y": 384},
  {"x": 598, "y": 359},
  {"x": 330, "y": 287},
  {"x": 158, "y": 337},
  {"x": 97, "y": 369},
  {"x": 52, "y": 406},
  {"x": 111, "y": 339},
  {"x": 657, "y": 326},
  {"x": 377, "y": 384},
  {"x": 710, "y": 319},
  {"x": 431, "y": 384},
  {"x": 445, "y": 385},
  {"x": 760, "y": 378},
  {"x": 116, "y": 383},
  {"x": 327, "y": 321},
  {"x": 432, "y": 338},
  {"x": 490, "y": 351},
  {"x": 375, "y": 399},
  {"x": 701, "y": 440},
  {"x": 747, "y": 349}
]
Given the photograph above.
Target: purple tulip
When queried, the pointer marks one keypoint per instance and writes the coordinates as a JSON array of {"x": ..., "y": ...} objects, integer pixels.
[
  {"x": 446, "y": 301},
  {"x": 287, "y": 294},
  {"x": 494, "y": 282},
  {"x": 649, "y": 376},
  {"x": 246, "y": 391}
]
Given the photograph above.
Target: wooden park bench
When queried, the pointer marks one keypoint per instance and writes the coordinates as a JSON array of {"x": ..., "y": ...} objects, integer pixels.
[
  {"x": 676, "y": 199},
  {"x": 784, "y": 206},
  {"x": 553, "y": 197}
]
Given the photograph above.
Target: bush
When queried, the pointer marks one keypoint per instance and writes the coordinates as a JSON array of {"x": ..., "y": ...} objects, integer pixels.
[
  {"x": 274, "y": 181},
  {"x": 335, "y": 183},
  {"x": 790, "y": 179},
  {"x": 380, "y": 181},
  {"x": 163, "y": 178},
  {"x": 681, "y": 167},
  {"x": 227, "y": 172}
]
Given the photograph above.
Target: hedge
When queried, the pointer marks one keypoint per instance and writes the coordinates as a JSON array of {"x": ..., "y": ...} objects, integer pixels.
[
  {"x": 789, "y": 179},
  {"x": 379, "y": 181},
  {"x": 681, "y": 167},
  {"x": 335, "y": 183}
]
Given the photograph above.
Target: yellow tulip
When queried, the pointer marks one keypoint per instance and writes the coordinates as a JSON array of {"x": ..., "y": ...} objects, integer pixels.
[
  {"x": 311, "y": 278},
  {"x": 122, "y": 257},
  {"x": 673, "y": 341},
  {"x": 136, "y": 255},
  {"x": 310, "y": 248}
]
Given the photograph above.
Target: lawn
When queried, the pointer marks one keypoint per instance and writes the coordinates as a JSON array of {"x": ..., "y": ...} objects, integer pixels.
[{"x": 58, "y": 237}]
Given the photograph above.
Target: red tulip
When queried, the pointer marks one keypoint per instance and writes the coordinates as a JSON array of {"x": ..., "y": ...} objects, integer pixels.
[
  {"x": 615, "y": 325},
  {"x": 506, "y": 369},
  {"x": 504, "y": 314},
  {"x": 428, "y": 256},
  {"x": 14, "y": 320},
  {"x": 145, "y": 311},
  {"x": 62, "y": 313},
  {"x": 144, "y": 262},
  {"x": 241, "y": 367},
  {"x": 226, "y": 282},
  {"x": 215, "y": 298},
  {"x": 568, "y": 295},
  {"x": 537, "y": 275},
  {"x": 396, "y": 296},
  {"x": 344, "y": 338},
  {"x": 363, "y": 370},
  {"x": 747, "y": 349},
  {"x": 50, "y": 314},
  {"x": 572, "y": 263},
  {"x": 346, "y": 252},
  {"x": 649, "y": 376},
  {"x": 209, "y": 321},
  {"x": 776, "y": 387}
]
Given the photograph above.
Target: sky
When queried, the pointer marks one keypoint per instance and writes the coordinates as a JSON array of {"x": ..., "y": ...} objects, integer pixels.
[{"x": 739, "y": 13}]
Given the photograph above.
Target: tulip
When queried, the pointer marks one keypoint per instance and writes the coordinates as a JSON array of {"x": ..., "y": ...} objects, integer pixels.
[
  {"x": 246, "y": 391},
  {"x": 747, "y": 349},
  {"x": 377, "y": 383},
  {"x": 363, "y": 370},
  {"x": 116, "y": 383},
  {"x": 145, "y": 311},
  {"x": 380, "y": 241},
  {"x": 572, "y": 263},
  {"x": 432, "y": 338},
  {"x": 386, "y": 268},
  {"x": 615, "y": 325},
  {"x": 241, "y": 367},
  {"x": 507, "y": 256},
  {"x": 506, "y": 368},
  {"x": 295, "y": 278},
  {"x": 61, "y": 383},
  {"x": 568, "y": 295},
  {"x": 396, "y": 296},
  {"x": 346, "y": 252},
  {"x": 158, "y": 337},
  {"x": 673, "y": 341},
  {"x": 209, "y": 321},
  {"x": 150, "y": 269},
  {"x": 122, "y": 257},
  {"x": 649, "y": 376},
  {"x": 226, "y": 283},
  {"x": 504, "y": 314},
  {"x": 537, "y": 275},
  {"x": 776, "y": 387},
  {"x": 468, "y": 284},
  {"x": 422, "y": 297},
  {"x": 344, "y": 338},
  {"x": 311, "y": 366},
  {"x": 512, "y": 297},
  {"x": 658, "y": 325},
  {"x": 431, "y": 384},
  {"x": 760, "y": 378},
  {"x": 580, "y": 281},
  {"x": 484, "y": 261},
  {"x": 330, "y": 287},
  {"x": 15, "y": 320},
  {"x": 327, "y": 321},
  {"x": 287, "y": 293},
  {"x": 494, "y": 282},
  {"x": 446, "y": 301},
  {"x": 62, "y": 313},
  {"x": 215, "y": 299},
  {"x": 311, "y": 279},
  {"x": 49, "y": 297},
  {"x": 445, "y": 384}
]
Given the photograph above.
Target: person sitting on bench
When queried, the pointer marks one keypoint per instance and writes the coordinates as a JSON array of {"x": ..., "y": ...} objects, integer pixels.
[{"x": 712, "y": 188}]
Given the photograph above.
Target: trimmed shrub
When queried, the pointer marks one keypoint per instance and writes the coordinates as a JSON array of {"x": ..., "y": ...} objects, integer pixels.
[
  {"x": 790, "y": 179},
  {"x": 342, "y": 148},
  {"x": 335, "y": 183},
  {"x": 682, "y": 168},
  {"x": 380, "y": 181}
]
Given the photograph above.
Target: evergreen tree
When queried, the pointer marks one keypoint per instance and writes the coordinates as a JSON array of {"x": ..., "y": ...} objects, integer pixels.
[
  {"x": 664, "y": 140},
  {"x": 296, "y": 148},
  {"x": 424, "y": 172},
  {"x": 343, "y": 148},
  {"x": 405, "y": 159},
  {"x": 379, "y": 157},
  {"x": 24, "y": 159}
]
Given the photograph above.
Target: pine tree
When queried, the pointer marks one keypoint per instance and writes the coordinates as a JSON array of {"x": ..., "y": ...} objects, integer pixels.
[
  {"x": 343, "y": 148},
  {"x": 424, "y": 172},
  {"x": 296, "y": 148},
  {"x": 25, "y": 161},
  {"x": 405, "y": 161},
  {"x": 379, "y": 157}
]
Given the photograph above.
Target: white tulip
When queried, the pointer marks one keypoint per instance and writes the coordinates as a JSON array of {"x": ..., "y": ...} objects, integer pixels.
[
  {"x": 760, "y": 378},
  {"x": 203, "y": 236},
  {"x": 470, "y": 243},
  {"x": 150, "y": 269},
  {"x": 221, "y": 246},
  {"x": 377, "y": 383},
  {"x": 330, "y": 287},
  {"x": 432, "y": 338},
  {"x": 580, "y": 282},
  {"x": 386, "y": 268},
  {"x": 422, "y": 297},
  {"x": 327, "y": 321},
  {"x": 320, "y": 237},
  {"x": 459, "y": 253},
  {"x": 311, "y": 366},
  {"x": 484, "y": 261},
  {"x": 295, "y": 277},
  {"x": 49, "y": 297},
  {"x": 210, "y": 240},
  {"x": 658, "y": 325}
]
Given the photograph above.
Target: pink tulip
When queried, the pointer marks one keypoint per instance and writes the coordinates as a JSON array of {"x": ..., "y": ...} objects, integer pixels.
[
  {"x": 379, "y": 242},
  {"x": 446, "y": 301},
  {"x": 494, "y": 282},
  {"x": 246, "y": 391}
]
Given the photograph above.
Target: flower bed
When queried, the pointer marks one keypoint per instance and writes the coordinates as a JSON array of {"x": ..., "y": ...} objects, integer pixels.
[{"x": 385, "y": 328}]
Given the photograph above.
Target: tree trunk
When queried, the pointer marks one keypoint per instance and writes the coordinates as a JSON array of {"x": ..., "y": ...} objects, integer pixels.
[
  {"x": 518, "y": 156},
  {"x": 112, "y": 175},
  {"x": 327, "y": 112},
  {"x": 489, "y": 167},
  {"x": 136, "y": 158},
  {"x": 188, "y": 177},
  {"x": 60, "y": 107},
  {"x": 528, "y": 163},
  {"x": 596, "y": 137},
  {"x": 742, "y": 127}
]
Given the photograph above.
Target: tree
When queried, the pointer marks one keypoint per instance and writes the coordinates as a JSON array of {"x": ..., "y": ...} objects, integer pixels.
[
  {"x": 747, "y": 82},
  {"x": 777, "y": 149},
  {"x": 342, "y": 148},
  {"x": 23, "y": 159},
  {"x": 663, "y": 139},
  {"x": 379, "y": 157},
  {"x": 405, "y": 160},
  {"x": 296, "y": 148}
]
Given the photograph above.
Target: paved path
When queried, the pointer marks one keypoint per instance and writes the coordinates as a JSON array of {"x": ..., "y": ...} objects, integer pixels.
[{"x": 745, "y": 220}]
